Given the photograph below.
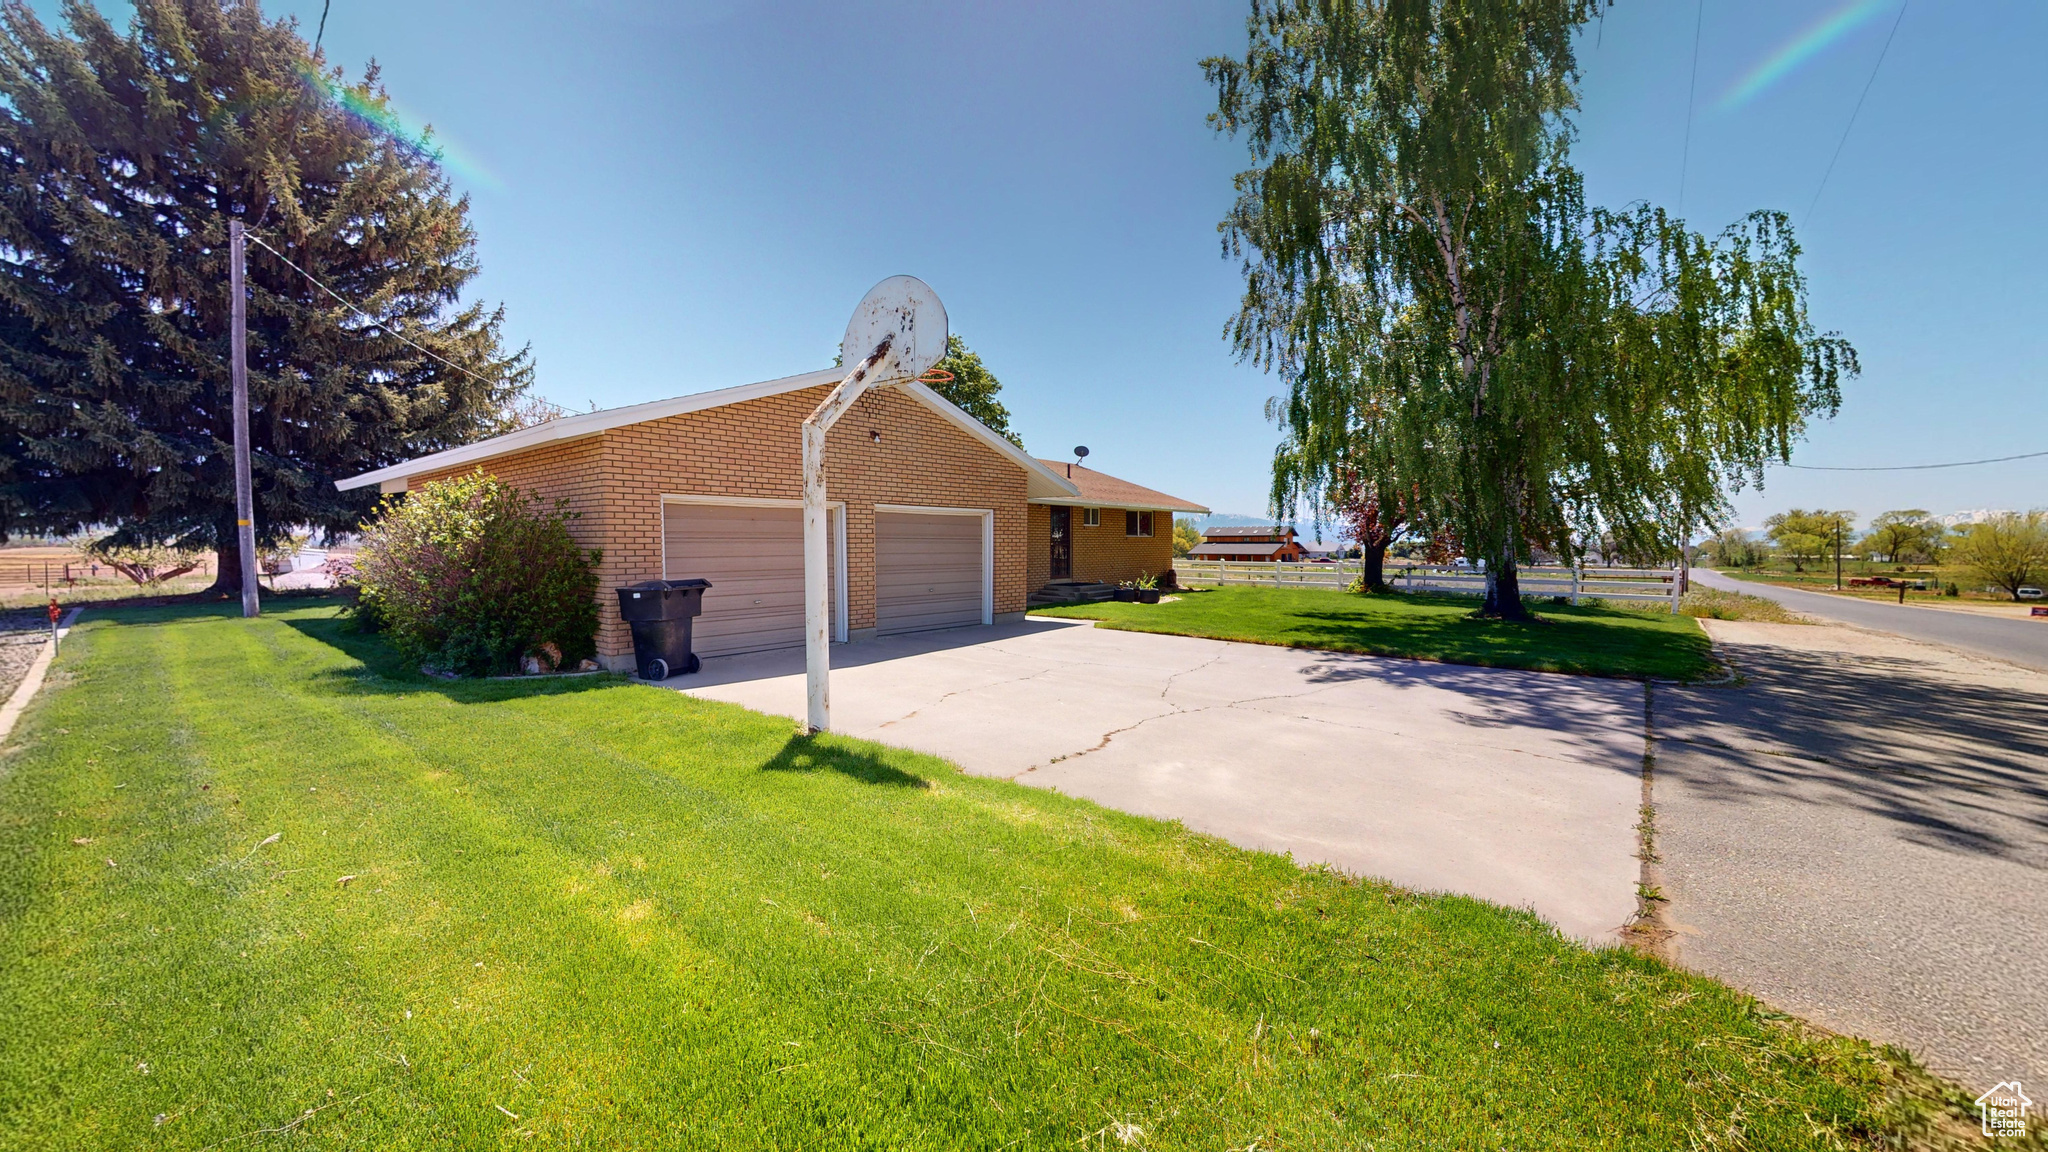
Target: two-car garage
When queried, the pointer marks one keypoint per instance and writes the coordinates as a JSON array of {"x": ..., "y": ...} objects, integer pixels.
[
  {"x": 931, "y": 508},
  {"x": 932, "y": 569}
]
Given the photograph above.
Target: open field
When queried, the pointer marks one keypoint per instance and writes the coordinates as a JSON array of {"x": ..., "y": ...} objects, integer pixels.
[
  {"x": 261, "y": 880},
  {"x": 1821, "y": 578},
  {"x": 31, "y": 574},
  {"x": 1592, "y": 639}
]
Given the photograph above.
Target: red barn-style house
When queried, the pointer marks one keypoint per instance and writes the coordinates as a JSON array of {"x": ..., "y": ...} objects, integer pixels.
[{"x": 1252, "y": 543}]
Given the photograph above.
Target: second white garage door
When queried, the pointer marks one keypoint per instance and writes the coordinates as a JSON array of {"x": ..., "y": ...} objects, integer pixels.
[
  {"x": 928, "y": 571},
  {"x": 754, "y": 558}
]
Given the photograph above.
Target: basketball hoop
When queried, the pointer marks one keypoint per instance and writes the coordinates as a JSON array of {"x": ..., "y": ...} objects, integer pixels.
[
  {"x": 906, "y": 311},
  {"x": 897, "y": 335}
]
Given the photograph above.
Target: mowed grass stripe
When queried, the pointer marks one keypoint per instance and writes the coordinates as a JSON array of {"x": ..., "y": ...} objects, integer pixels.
[
  {"x": 699, "y": 929},
  {"x": 517, "y": 915}
]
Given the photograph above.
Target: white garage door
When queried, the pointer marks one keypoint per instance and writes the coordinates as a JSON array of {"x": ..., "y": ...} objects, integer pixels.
[
  {"x": 754, "y": 558},
  {"x": 927, "y": 571}
]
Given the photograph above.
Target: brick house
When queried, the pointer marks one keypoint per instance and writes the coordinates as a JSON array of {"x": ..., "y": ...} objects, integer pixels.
[
  {"x": 1109, "y": 531},
  {"x": 1249, "y": 543},
  {"x": 930, "y": 525}
]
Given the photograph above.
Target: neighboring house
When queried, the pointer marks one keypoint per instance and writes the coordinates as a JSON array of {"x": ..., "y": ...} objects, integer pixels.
[
  {"x": 931, "y": 519},
  {"x": 1109, "y": 531},
  {"x": 1248, "y": 543}
]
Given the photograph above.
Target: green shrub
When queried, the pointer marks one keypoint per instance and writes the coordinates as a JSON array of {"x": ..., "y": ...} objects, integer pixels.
[{"x": 468, "y": 575}]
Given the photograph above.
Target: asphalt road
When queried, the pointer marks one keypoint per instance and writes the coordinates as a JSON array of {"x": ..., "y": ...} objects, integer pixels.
[
  {"x": 2020, "y": 641},
  {"x": 1858, "y": 833}
]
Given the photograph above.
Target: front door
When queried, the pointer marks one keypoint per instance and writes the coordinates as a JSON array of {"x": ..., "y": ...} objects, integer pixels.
[{"x": 1062, "y": 536}]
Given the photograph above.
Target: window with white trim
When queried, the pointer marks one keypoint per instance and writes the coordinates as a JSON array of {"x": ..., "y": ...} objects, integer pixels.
[
  {"x": 1137, "y": 523},
  {"x": 1091, "y": 517}
]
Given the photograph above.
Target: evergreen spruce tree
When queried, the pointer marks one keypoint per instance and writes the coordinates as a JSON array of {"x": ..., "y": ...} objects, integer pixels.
[{"x": 122, "y": 159}]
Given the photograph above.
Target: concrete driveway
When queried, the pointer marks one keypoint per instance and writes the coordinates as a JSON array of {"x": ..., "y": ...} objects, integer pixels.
[{"x": 1516, "y": 787}]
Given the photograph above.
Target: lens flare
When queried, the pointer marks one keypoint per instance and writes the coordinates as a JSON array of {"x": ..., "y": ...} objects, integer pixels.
[
  {"x": 383, "y": 116},
  {"x": 1825, "y": 33}
]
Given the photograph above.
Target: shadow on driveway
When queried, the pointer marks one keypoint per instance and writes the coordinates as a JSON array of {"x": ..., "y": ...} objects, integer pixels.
[{"x": 1945, "y": 762}]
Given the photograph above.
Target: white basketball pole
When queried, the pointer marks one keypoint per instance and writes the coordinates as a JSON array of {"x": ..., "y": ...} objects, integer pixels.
[
  {"x": 817, "y": 589},
  {"x": 238, "y": 370}
]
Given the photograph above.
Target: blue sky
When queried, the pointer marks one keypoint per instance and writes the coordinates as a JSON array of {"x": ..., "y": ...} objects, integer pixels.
[{"x": 680, "y": 196}]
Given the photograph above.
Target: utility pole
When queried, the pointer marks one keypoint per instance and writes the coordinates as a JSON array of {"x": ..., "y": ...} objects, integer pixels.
[{"x": 238, "y": 368}]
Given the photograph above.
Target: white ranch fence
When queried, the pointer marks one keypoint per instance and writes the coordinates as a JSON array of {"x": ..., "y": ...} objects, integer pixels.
[{"x": 1575, "y": 584}]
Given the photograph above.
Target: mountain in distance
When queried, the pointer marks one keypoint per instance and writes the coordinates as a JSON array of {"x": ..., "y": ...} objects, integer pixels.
[{"x": 1225, "y": 520}]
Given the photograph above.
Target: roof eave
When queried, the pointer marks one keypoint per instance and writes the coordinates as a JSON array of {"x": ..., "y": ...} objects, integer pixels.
[
  {"x": 1040, "y": 482},
  {"x": 1137, "y": 505},
  {"x": 586, "y": 424}
]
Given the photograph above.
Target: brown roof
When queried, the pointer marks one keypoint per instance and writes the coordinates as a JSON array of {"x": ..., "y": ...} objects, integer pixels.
[
  {"x": 1104, "y": 490},
  {"x": 1253, "y": 531}
]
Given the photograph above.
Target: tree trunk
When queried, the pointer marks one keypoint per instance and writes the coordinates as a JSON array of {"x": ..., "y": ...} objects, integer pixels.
[
  {"x": 1503, "y": 591},
  {"x": 227, "y": 561},
  {"x": 1375, "y": 558}
]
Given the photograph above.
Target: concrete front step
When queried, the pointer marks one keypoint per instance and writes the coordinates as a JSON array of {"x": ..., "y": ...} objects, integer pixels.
[{"x": 1070, "y": 592}]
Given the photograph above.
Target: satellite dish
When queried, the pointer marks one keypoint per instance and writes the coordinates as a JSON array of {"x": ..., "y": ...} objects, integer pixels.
[
  {"x": 1081, "y": 452},
  {"x": 903, "y": 307}
]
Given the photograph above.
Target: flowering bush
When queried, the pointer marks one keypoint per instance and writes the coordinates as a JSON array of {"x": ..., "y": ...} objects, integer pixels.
[{"x": 468, "y": 575}]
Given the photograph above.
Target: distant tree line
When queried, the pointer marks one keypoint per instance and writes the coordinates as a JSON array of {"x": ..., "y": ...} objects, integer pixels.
[{"x": 2007, "y": 551}]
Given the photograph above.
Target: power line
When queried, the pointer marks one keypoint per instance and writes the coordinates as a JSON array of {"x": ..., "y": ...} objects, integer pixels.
[
  {"x": 1852, "y": 114},
  {"x": 1691, "y": 90},
  {"x": 350, "y": 305},
  {"x": 1915, "y": 467}
]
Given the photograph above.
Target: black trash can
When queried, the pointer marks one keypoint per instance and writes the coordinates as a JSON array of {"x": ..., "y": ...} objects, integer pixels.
[{"x": 660, "y": 612}]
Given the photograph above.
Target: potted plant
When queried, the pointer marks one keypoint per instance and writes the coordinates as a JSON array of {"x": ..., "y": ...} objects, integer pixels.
[
  {"x": 1126, "y": 592},
  {"x": 1148, "y": 589}
]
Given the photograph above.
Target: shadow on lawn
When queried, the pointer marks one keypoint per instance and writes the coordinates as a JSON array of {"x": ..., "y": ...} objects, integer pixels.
[
  {"x": 1574, "y": 643},
  {"x": 380, "y": 669},
  {"x": 813, "y": 754}
]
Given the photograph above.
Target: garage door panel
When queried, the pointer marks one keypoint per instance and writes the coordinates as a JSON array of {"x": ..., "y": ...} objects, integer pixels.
[
  {"x": 754, "y": 558},
  {"x": 928, "y": 571}
]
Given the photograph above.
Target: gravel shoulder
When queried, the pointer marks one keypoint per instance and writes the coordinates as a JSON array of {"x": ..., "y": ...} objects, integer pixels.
[
  {"x": 22, "y": 635},
  {"x": 1858, "y": 833}
]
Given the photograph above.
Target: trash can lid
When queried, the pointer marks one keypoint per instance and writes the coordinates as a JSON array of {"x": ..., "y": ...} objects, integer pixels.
[{"x": 665, "y": 585}]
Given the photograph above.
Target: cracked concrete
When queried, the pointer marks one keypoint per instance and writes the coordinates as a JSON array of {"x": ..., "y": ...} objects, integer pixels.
[{"x": 1516, "y": 787}]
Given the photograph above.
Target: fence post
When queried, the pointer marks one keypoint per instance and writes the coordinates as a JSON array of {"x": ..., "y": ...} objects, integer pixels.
[{"x": 1676, "y": 589}]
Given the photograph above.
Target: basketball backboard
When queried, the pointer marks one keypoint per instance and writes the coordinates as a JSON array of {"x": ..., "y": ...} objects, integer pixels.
[{"x": 906, "y": 308}]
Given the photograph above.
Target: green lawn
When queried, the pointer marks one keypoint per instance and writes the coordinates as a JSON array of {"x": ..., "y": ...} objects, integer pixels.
[
  {"x": 1592, "y": 639},
  {"x": 590, "y": 913}
]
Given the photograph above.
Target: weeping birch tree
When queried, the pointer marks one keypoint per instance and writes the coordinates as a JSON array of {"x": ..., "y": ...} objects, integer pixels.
[{"x": 1423, "y": 272}]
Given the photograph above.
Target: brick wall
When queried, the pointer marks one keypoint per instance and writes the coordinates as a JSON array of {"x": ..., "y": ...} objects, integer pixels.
[
  {"x": 1038, "y": 556},
  {"x": 616, "y": 480},
  {"x": 1104, "y": 553}
]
